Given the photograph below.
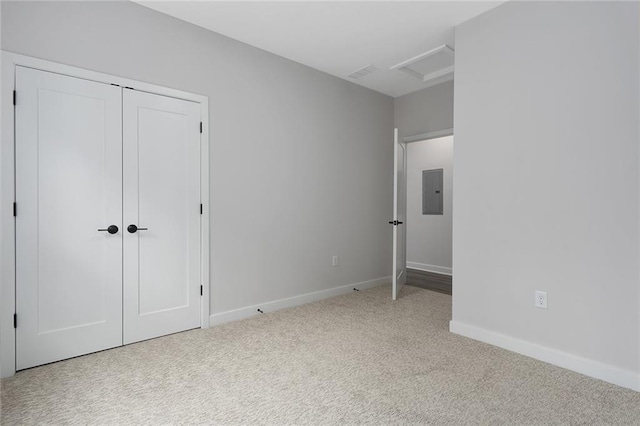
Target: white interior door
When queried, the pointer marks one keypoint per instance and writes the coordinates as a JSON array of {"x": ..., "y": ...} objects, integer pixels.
[
  {"x": 68, "y": 186},
  {"x": 399, "y": 275},
  {"x": 162, "y": 199}
]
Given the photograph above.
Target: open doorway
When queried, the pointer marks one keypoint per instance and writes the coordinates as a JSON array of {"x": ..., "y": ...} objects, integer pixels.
[
  {"x": 423, "y": 204},
  {"x": 429, "y": 213}
]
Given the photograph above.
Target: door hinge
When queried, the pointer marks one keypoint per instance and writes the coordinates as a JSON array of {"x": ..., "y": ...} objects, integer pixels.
[
  {"x": 201, "y": 127},
  {"x": 15, "y": 320},
  {"x": 200, "y": 208},
  {"x": 15, "y": 209},
  {"x": 201, "y": 290},
  {"x": 14, "y": 97}
]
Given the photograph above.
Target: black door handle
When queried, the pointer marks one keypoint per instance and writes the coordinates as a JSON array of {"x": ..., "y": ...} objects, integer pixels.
[
  {"x": 112, "y": 229},
  {"x": 395, "y": 222},
  {"x": 133, "y": 229}
]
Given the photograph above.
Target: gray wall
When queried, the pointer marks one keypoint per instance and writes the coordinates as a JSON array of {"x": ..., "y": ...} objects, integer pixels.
[
  {"x": 425, "y": 111},
  {"x": 546, "y": 180},
  {"x": 429, "y": 236},
  {"x": 301, "y": 162}
]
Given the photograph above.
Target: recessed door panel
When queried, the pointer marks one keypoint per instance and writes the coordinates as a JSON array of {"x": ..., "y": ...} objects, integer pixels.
[
  {"x": 163, "y": 207},
  {"x": 68, "y": 185},
  {"x": 162, "y": 200}
]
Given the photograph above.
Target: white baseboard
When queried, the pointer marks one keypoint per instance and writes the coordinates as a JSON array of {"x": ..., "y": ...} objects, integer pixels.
[
  {"x": 430, "y": 268},
  {"x": 588, "y": 367},
  {"x": 249, "y": 311}
]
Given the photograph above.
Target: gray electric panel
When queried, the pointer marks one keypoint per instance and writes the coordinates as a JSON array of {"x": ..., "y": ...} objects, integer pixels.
[{"x": 432, "y": 191}]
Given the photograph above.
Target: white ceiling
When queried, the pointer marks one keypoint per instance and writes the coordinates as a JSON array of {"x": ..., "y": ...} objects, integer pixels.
[{"x": 337, "y": 37}]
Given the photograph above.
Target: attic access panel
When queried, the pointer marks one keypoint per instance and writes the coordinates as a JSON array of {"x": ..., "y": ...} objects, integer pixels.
[
  {"x": 432, "y": 192},
  {"x": 435, "y": 63}
]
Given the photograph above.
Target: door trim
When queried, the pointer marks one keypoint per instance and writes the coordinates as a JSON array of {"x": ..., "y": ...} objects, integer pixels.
[
  {"x": 10, "y": 61},
  {"x": 429, "y": 135}
]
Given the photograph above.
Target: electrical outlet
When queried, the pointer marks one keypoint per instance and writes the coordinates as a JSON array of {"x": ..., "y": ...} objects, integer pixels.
[
  {"x": 541, "y": 299},
  {"x": 334, "y": 261}
]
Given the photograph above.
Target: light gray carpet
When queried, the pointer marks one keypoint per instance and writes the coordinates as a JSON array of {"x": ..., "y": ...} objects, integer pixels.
[{"x": 358, "y": 358}]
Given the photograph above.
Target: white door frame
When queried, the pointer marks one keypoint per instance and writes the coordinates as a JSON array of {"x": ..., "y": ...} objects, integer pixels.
[
  {"x": 429, "y": 135},
  {"x": 7, "y": 186}
]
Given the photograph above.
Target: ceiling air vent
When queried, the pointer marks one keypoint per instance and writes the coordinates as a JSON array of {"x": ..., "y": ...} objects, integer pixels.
[
  {"x": 434, "y": 64},
  {"x": 362, "y": 72}
]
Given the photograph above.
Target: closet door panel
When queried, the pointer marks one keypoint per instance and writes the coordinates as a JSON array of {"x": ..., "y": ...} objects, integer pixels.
[
  {"x": 68, "y": 185},
  {"x": 162, "y": 199}
]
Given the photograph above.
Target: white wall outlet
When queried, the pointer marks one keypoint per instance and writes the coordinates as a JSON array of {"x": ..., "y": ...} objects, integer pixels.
[
  {"x": 541, "y": 299},
  {"x": 334, "y": 261}
]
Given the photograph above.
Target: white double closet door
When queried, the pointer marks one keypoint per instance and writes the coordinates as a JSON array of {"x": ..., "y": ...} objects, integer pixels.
[{"x": 93, "y": 163}]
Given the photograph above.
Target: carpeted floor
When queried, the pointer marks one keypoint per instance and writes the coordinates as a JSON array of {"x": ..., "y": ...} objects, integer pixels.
[{"x": 358, "y": 358}]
